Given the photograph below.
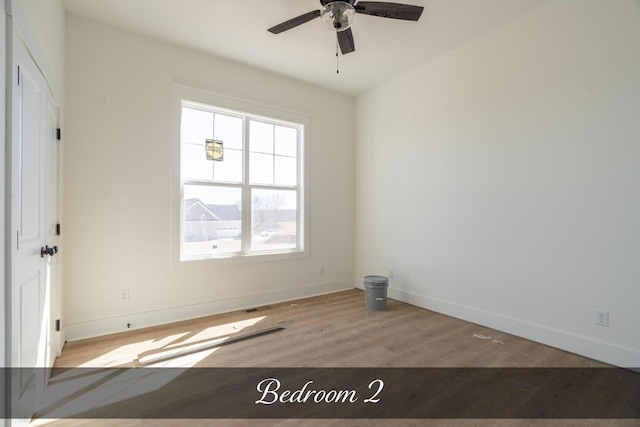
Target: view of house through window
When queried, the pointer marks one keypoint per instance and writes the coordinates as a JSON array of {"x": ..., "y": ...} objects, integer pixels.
[{"x": 248, "y": 202}]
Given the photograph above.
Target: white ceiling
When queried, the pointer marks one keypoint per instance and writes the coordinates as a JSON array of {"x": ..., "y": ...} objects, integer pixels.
[{"x": 237, "y": 30}]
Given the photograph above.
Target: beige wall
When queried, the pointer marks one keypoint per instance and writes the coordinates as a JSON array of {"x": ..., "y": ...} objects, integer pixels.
[
  {"x": 500, "y": 181},
  {"x": 118, "y": 185}
]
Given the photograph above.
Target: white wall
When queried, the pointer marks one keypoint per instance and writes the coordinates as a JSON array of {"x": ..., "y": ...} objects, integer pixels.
[
  {"x": 117, "y": 185},
  {"x": 500, "y": 182}
]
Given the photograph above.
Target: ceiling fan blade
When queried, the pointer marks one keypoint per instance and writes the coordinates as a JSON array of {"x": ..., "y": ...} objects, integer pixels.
[
  {"x": 407, "y": 12},
  {"x": 292, "y": 23},
  {"x": 345, "y": 40}
]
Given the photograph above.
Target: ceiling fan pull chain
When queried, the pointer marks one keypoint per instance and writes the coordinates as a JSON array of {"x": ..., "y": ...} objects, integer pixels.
[{"x": 337, "y": 57}]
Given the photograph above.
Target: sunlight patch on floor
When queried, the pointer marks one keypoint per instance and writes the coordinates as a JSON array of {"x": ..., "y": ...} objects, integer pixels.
[
  {"x": 97, "y": 383},
  {"x": 127, "y": 353}
]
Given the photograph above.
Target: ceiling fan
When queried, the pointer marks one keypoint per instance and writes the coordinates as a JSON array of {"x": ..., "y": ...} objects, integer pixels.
[{"x": 338, "y": 16}]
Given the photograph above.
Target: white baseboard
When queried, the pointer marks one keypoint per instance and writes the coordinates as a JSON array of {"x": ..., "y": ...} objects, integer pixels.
[
  {"x": 100, "y": 327},
  {"x": 587, "y": 347}
]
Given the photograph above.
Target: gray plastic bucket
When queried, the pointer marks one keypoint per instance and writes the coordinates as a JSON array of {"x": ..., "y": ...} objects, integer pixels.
[{"x": 375, "y": 292}]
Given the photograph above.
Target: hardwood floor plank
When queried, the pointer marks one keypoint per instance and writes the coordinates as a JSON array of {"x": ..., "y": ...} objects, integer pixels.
[{"x": 330, "y": 331}]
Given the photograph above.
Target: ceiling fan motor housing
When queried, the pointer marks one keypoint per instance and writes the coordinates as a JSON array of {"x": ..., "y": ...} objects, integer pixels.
[
  {"x": 337, "y": 15},
  {"x": 326, "y": 2}
]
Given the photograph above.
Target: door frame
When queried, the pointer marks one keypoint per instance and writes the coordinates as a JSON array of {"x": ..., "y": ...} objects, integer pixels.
[{"x": 4, "y": 342}]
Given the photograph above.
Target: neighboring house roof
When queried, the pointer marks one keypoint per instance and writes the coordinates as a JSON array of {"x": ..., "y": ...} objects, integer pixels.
[
  {"x": 226, "y": 212},
  {"x": 195, "y": 210}
]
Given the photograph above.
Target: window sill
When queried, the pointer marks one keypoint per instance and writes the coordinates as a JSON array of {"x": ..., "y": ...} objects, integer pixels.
[{"x": 203, "y": 262}]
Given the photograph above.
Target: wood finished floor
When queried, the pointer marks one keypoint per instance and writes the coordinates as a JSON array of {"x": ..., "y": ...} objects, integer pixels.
[{"x": 328, "y": 331}]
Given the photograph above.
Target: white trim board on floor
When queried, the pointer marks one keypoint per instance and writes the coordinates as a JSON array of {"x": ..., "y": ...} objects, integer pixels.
[
  {"x": 583, "y": 346},
  {"x": 100, "y": 327}
]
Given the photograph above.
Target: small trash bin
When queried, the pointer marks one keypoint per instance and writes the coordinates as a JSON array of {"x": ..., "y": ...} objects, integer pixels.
[{"x": 375, "y": 292}]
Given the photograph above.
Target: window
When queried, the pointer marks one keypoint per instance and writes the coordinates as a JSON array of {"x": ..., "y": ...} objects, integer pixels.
[{"x": 249, "y": 203}]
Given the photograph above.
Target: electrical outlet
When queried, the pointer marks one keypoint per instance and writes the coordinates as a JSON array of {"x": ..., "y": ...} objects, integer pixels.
[
  {"x": 322, "y": 271},
  {"x": 391, "y": 274},
  {"x": 124, "y": 295},
  {"x": 602, "y": 317}
]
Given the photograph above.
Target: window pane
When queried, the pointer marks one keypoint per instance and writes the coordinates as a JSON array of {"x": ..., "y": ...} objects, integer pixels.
[
  {"x": 229, "y": 169},
  {"x": 261, "y": 137},
  {"x": 196, "y": 126},
  {"x": 261, "y": 168},
  {"x": 274, "y": 216},
  {"x": 228, "y": 129},
  {"x": 194, "y": 162},
  {"x": 212, "y": 221},
  {"x": 286, "y": 141},
  {"x": 286, "y": 170}
]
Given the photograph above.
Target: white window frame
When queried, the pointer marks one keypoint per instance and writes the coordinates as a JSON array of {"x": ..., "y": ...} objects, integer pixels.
[{"x": 236, "y": 107}]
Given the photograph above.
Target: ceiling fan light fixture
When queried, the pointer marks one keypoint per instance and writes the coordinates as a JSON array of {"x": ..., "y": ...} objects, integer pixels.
[{"x": 338, "y": 15}]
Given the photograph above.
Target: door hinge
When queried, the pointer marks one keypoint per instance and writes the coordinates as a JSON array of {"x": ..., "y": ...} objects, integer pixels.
[
  {"x": 18, "y": 75},
  {"x": 57, "y": 325},
  {"x": 57, "y": 229},
  {"x": 58, "y": 134}
]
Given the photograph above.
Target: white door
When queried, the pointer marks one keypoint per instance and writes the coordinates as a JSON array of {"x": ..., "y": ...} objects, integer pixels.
[{"x": 30, "y": 287}]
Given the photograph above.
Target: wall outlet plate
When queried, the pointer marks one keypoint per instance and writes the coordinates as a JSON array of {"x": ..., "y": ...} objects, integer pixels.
[{"x": 602, "y": 317}]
